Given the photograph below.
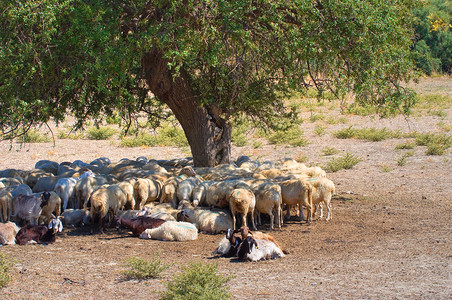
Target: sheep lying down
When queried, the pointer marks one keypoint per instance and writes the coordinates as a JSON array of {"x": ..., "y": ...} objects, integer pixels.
[{"x": 172, "y": 231}]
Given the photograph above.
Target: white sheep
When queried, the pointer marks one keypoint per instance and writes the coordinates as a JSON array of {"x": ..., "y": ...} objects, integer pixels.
[
  {"x": 85, "y": 187},
  {"x": 6, "y": 205},
  {"x": 127, "y": 187},
  {"x": 172, "y": 231},
  {"x": 8, "y": 233},
  {"x": 146, "y": 190},
  {"x": 65, "y": 189},
  {"x": 211, "y": 221},
  {"x": 323, "y": 191},
  {"x": 23, "y": 189},
  {"x": 107, "y": 199},
  {"x": 74, "y": 217},
  {"x": 242, "y": 201},
  {"x": 268, "y": 201},
  {"x": 297, "y": 191},
  {"x": 185, "y": 188}
]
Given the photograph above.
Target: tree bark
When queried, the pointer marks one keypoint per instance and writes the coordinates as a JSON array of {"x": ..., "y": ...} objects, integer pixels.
[{"x": 208, "y": 134}]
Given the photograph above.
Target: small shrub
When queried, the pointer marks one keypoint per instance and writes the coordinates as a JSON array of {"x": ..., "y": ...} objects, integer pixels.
[
  {"x": 257, "y": 144},
  {"x": 33, "y": 136},
  {"x": 406, "y": 145},
  {"x": 198, "y": 281},
  {"x": 327, "y": 151},
  {"x": 347, "y": 161},
  {"x": 5, "y": 265},
  {"x": 386, "y": 168},
  {"x": 239, "y": 139},
  {"x": 69, "y": 135},
  {"x": 113, "y": 119},
  {"x": 292, "y": 136},
  {"x": 315, "y": 117},
  {"x": 139, "y": 141},
  {"x": 446, "y": 127},
  {"x": 435, "y": 149},
  {"x": 376, "y": 135},
  {"x": 145, "y": 269},
  {"x": 438, "y": 113},
  {"x": 346, "y": 133},
  {"x": 101, "y": 133},
  {"x": 320, "y": 130},
  {"x": 172, "y": 136}
]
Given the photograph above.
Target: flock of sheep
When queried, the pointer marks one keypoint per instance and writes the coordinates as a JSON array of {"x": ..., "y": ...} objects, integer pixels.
[{"x": 163, "y": 199}]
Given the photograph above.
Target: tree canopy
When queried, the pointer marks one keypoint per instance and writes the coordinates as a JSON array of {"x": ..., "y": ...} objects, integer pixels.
[{"x": 208, "y": 61}]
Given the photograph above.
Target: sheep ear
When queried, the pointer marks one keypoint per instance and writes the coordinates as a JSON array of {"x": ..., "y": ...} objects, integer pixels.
[{"x": 60, "y": 226}]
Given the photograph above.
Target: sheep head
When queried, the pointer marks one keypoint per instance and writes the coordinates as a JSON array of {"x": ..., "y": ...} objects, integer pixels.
[
  {"x": 183, "y": 216},
  {"x": 56, "y": 225}
]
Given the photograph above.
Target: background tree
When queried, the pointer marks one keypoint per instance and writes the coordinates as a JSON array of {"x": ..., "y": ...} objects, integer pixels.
[
  {"x": 433, "y": 36},
  {"x": 207, "y": 61}
]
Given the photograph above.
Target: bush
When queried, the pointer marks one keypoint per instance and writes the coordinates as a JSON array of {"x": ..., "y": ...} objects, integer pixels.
[
  {"x": 198, "y": 281},
  {"x": 437, "y": 144},
  {"x": 329, "y": 151},
  {"x": 101, "y": 133},
  {"x": 5, "y": 266},
  {"x": 346, "y": 133},
  {"x": 140, "y": 140},
  {"x": 33, "y": 136},
  {"x": 293, "y": 136},
  {"x": 144, "y": 269},
  {"x": 172, "y": 136},
  {"x": 406, "y": 145},
  {"x": 347, "y": 161}
]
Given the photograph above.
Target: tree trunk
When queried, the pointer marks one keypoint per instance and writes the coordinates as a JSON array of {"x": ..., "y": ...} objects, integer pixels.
[{"x": 208, "y": 134}]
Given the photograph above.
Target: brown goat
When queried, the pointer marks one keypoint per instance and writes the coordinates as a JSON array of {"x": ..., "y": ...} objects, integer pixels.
[{"x": 139, "y": 224}]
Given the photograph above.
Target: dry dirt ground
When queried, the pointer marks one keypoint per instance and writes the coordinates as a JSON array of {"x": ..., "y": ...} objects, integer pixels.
[{"x": 390, "y": 236}]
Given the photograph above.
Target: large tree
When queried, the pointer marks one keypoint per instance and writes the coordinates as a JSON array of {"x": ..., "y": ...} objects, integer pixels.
[{"x": 207, "y": 61}]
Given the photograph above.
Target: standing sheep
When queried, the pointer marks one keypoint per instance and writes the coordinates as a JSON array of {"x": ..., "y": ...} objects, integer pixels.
[
  {"x": 65, "y": 189},
  {"x": 106, "y": 200},
  {"x": 268, "y": 201},
  {"x": 242, "y": 201},
  {"x": 51, "y": 209},
  {"x": 297, "y": 191},
  {"x": 6, "y": 205},
  {"x": 323, "y": 191},
  {"x": 146, "y": 190}
]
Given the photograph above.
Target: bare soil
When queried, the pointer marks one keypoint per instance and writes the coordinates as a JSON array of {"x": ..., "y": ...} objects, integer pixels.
[{"x": 390, "y": 236}]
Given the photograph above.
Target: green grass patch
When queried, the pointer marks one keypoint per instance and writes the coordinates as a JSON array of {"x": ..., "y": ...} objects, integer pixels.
[
  {"x": 346, "y": 133},
  {"x": 369, "y": 134},
  {"x": 315, "y": 117},
  {"x": 347, "y": 161},
  {"x": 172, "y": 136},
  {"x": 5, "y": 265},
  {"x": 436, "y": 143},
  {"x": 257, "y": 144},
  {"x": 327, "y": 151},
  {"x": 140, "y": 268},
  {"x": 407, "y": 145},
  {"x": 293, "y": 136},
  {"x": 320, "y": 130},
  {"x": 140, "y": 140},
  {"x": 437, "y": 112},
  {"x": 433, "y": 101},
  {"x": 386, "y": 168},
  {"x": 100, "y": 133},
  {"x": 198, "y": 281},
  {"x": 33, "y": 136},
  {"x": 446, "y": 127}
]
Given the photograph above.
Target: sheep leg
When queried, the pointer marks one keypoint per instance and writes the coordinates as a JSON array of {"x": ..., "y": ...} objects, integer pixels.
[
  {"x": 321, "y": 210},
  {"x": 329, "y": 212},
  {"x": 252, "y": 219},
  {"x": 233, "y": 220},
  {"x": 272, "y": 219}
]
